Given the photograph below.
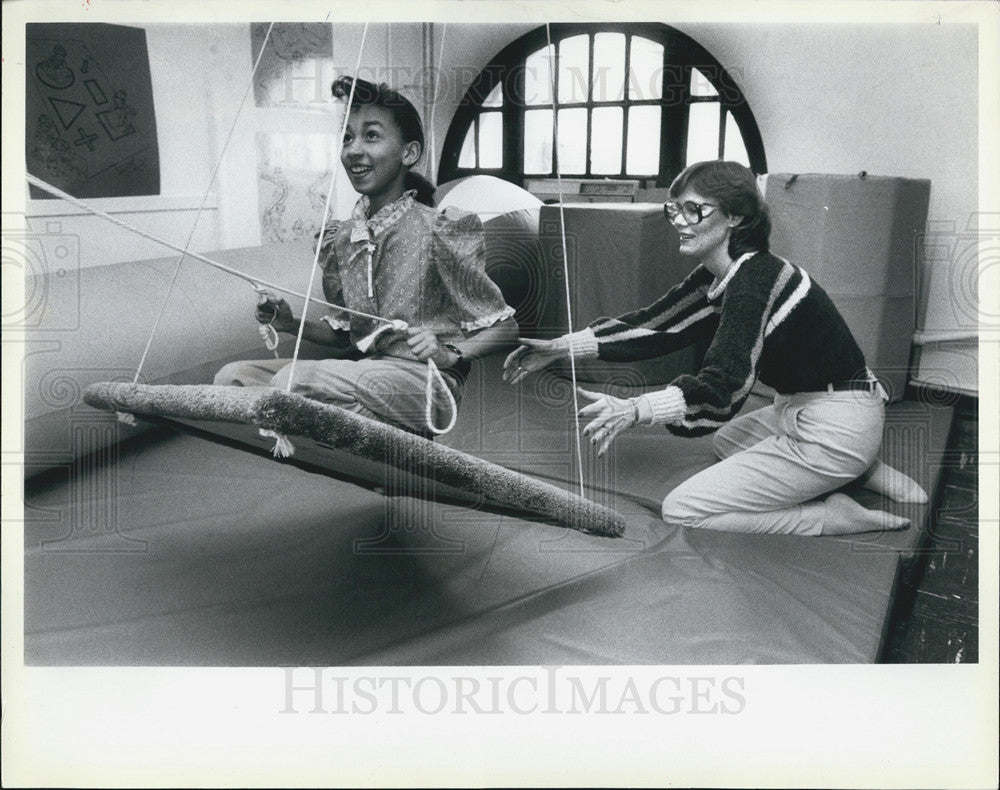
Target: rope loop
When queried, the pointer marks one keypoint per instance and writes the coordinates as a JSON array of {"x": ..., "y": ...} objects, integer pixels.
[{"x": 434, "y": 376}]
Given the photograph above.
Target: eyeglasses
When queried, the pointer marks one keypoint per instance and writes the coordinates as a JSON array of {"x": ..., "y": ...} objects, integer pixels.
[{"x": 692, "y": 212}]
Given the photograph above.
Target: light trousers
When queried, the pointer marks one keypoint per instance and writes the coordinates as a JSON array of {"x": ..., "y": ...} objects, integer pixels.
[
  {"x": 777, "y": 460},
  {"x": 388, "y": 389}
]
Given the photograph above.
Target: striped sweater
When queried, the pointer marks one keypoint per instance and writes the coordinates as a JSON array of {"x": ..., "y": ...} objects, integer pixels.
[{"x": 767, "y": 319}]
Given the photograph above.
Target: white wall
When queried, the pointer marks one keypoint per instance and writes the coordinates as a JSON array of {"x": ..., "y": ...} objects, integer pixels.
[
  {"x": 899, "y": 100},
  {"x": 892, "y": 100}
]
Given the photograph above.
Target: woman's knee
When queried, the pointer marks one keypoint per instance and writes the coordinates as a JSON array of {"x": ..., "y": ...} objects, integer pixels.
[
  {"x": 678, "y": 512},
  {"x": 227, "y": 374},
  {"x": 239, "y": 374}
]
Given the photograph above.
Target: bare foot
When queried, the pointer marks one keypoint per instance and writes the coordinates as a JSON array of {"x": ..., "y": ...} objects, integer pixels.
[
  {"x": 844, "y": 516},
  {"x": 885, "y": 480}
]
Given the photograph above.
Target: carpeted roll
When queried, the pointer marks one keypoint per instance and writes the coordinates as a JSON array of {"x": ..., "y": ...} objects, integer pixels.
[{"x": 293, "y": 415}]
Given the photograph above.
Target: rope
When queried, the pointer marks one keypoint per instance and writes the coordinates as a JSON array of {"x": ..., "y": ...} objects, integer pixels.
[
  {"x": 434, "y": 374},
  {"x": 201, "y": 208},
  {"x": 255, "y": 282},
  {"x": 432, "y": 158},
  {"x": 562, "y": 230},
  {"x": 267, "y": 331},
  {"x": 326, "y": 210}
]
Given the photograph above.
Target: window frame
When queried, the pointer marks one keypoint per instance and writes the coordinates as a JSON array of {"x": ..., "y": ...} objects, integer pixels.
[{"x": 681, "y": 54}]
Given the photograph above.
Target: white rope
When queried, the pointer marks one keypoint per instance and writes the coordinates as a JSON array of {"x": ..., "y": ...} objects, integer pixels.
[
  {"x": 326, "y": 209},
  {"x": 432, "y": 158},
  {"x": 434, "y": 375},
  {"x": 562, "y": 230},
  {"x": 432, "y": 369},
  {"x": 201, "y": 208},
  {"x": 255, "y": 282},
  {"x": 267, "y": 331},
  {"x": 282, "y": 447}
]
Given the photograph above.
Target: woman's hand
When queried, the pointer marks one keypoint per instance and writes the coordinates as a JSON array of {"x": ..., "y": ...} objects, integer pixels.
[
  {"x": 424, "y": 345},
  {"x": 611, "y": 416},
  {"x": 532, "y": 356}
]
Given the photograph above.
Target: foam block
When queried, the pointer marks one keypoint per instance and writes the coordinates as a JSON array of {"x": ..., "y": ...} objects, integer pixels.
[
  {"x": 620, "y": 257},
  {"x": 857, "y": 235}
]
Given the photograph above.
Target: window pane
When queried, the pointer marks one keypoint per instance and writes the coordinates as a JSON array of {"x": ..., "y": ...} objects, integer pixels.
[
  {"x": 643, "y": 156},
  {"x": 606, "y": 141},
  {"x": 574, "y": 69},
  {"x": 538, "y": 77},
  {"x": 736, "y": 151},
  {"x": 495, "y": 99},
  {"x": 538, "y": 141},
  {"x": 609, "y": 67},
  {"x": 700, "y": 86},
  {"x": 573, "y": 140},
  {"x": 467, "y": 157},
  {"x": 703, "y": 132},
  {"x": 645, "y": 78},
  {"x": 491, "y": 139}
]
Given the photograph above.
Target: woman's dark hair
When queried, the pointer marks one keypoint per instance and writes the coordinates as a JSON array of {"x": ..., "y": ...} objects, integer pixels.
[
  {"x": 734, "y": 188},
  {"x": 403, "y": 113}
]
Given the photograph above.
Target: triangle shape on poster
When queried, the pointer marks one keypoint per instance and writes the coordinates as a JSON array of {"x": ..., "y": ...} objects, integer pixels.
[{"x": 67, "y": 111}]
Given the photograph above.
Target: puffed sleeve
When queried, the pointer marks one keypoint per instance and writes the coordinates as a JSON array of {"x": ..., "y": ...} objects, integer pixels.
[
  {"x": 332, "y": 290},
  {"x": 459, "y": 252}
]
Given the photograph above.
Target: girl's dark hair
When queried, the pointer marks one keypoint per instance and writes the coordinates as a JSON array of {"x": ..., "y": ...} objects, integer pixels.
[
  {"x": 734, "y": 188},
  {"x": 403, "y": 113}
]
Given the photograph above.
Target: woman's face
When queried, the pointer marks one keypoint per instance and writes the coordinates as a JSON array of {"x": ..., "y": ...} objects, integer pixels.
[
  {"x": 706, "y": 238},
  {"x": 375, "y": 155}
]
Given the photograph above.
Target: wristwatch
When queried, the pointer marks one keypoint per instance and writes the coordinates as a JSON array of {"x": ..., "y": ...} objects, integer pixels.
[{"x": 456, "y": 351}]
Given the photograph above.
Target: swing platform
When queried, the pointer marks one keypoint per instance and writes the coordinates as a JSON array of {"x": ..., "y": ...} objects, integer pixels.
[{"x": 421, "y": 467}]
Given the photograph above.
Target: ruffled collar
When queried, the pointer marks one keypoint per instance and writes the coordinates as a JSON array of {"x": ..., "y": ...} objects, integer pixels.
[{"x": 364, "y": 228}]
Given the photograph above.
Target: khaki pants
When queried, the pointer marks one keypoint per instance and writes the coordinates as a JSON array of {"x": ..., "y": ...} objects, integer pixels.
[
  {"x": 778, "y": 458},
  {"x": 388, "y": 389}
]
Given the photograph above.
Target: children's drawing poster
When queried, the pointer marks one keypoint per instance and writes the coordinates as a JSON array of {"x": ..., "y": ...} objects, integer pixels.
[
  {"x": 90, "y": 128},
  {"x": 298, "y": 125},
  {"x": 294, "y": 175}
]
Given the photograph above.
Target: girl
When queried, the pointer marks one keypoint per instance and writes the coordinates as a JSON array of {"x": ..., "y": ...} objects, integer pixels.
[
  {"x": 397, "y": 258},
  {"x": 765, "y": 318}
]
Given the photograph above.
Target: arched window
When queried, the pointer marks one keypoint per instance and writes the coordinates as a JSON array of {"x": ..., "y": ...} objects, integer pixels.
[{"x": 636, "y": 101}]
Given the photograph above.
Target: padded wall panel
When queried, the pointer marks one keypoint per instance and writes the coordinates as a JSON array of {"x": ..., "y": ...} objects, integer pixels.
[
  {"x": 857, "y": 235},
  {"x": 93, "y": 326}
]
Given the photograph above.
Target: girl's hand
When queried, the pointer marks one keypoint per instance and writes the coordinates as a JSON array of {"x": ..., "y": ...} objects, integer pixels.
[
  {"x": 532, "y": 356},
  {"x": 276, "y": 312},
  {"x": 611, "y": 416},
  {"x": 424, "y": 345}
]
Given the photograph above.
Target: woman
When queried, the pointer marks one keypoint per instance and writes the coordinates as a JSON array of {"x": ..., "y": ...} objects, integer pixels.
[
  {"x": 397, "y": 258},
  {"x": 767, "y": 319}
]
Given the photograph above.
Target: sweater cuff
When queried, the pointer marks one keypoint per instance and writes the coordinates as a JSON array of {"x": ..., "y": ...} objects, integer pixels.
[
  {"x": 582, "y": 343},
  {"x": 663, "y": 407}
]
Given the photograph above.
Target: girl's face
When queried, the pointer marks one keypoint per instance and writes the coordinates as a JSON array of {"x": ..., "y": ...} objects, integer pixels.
[
  {"x": 375, "y": 155},
  {"x": 710, "y": 236}
]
